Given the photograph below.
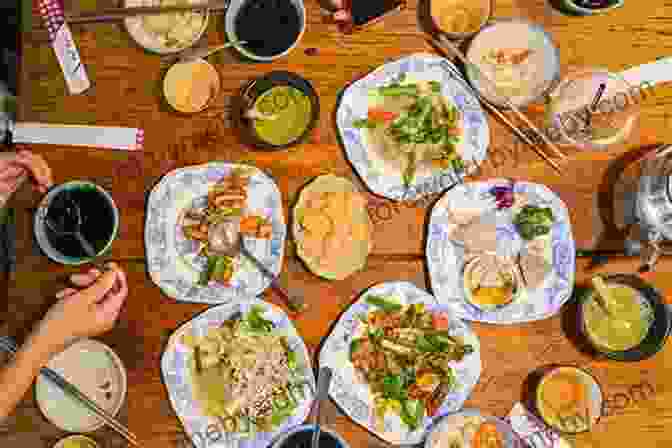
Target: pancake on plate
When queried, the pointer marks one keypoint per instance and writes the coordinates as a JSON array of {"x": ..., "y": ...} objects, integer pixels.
[{"x": 332, "y": 228}]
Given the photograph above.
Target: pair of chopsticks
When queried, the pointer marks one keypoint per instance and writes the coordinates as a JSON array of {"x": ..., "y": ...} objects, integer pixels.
[
  {"x": 7, "y": 344},
  {"x": 448, "y": 47},
  {"x": 116, "y": 14}
]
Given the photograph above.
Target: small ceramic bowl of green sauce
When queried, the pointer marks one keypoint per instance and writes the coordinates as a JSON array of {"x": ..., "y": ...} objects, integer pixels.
[
  {"x": 613, "y": 339},
  {"x": 277, "y": 111},
  {"x": 76, "y": 441}
]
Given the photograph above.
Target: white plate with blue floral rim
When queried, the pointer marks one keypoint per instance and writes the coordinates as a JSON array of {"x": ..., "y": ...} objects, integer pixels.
[
  {"x": 172, "y": 259},
  {"x": 205, "y": 430},
  {"x": 389, "y": 183},
  {"x": 446, "y": 257},
  {"x": 350, "y": 391}
]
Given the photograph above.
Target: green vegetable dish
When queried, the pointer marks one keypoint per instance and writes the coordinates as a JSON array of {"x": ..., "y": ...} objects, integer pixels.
[
  {"x": 245, "y": 374},
  {"x": 414, "y": 125},
  {"x": 533, "y": 221},
  {"x": 404, "y": 355}
]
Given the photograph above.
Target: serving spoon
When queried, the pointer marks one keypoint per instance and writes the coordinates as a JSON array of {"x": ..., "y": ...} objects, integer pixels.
[{"x": 224, "y": 238}]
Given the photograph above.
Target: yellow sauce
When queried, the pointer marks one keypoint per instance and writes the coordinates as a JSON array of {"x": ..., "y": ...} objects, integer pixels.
[
  {"x": 563, "y": 400},
  {"x": 189, "y": 87},
  {"x": 626, "y": 327},
  {"x": 292, "y": 111},
  {"x": 458, "y": 16},
  {"x": 492, "y": 296}
]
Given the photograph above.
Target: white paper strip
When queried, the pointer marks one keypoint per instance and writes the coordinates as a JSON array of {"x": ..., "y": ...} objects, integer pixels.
[
  {"x": 656, "y": 72},
  {"x": 64, "y": 46},
  {"x": 128, "y": 139},
  {"x": 533, "y": 431}
]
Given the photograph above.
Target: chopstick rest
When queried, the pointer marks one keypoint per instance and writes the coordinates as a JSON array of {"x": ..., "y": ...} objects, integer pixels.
[{"x": 64, "y": 46}]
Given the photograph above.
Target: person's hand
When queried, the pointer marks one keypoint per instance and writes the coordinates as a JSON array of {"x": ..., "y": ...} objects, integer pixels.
[
  {"x": 85, "y": 312},
  {"x": 15, "y": 168}
]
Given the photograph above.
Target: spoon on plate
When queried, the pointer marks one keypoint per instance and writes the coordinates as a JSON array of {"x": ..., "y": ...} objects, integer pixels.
[{"x": 224, "y": 238}]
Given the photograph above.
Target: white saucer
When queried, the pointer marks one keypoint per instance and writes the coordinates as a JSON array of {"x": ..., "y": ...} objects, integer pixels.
[{"x": 97, "y": 371}]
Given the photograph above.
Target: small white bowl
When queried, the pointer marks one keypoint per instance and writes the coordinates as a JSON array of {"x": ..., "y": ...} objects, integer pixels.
[
  {"x": 89, "y": 365},
  {"x": 147, "y": 40},
  {"x": 230, "y": 24},
  {"x": 468, "y": 266}
]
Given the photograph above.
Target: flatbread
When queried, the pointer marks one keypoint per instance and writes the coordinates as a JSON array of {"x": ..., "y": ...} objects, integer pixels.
[
  {"x": 332, "y": 229},
  {"x": 535, "y": 268},
  {"x": 479, "y": 235}
]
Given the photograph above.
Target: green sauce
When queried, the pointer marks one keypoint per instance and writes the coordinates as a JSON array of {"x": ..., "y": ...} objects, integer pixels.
[
  {"x": 292, "y": 110},
  {"x": 627, "y": 327}
]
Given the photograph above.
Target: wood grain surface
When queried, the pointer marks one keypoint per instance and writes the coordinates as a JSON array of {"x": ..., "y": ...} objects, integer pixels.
[{"x": 126, "y": 92}]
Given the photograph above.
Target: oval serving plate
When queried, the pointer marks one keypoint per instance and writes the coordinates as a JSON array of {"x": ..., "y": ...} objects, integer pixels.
[
  {"x": 172, "y": 259},
  {"x": 446, "y": 257},
  {"x": 389, "y": 183},
  {"x": 327, "y": 184},
  {"x": 353, "y": 395},
  {"x": 176, "y": 376}
]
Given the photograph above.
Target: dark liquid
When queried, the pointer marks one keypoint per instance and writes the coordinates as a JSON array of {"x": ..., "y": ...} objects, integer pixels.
[
  {"x": 97, "y": 221},
  {"x": 269, "y": 26},
  {"x": 303, "y": 439}
]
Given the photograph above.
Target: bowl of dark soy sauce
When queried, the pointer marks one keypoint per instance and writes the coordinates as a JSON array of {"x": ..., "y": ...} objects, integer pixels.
[
  {"x": 99, "y": 221},
  {"x": 271, "y": 28},
  {"x": 301, "y": 437}
]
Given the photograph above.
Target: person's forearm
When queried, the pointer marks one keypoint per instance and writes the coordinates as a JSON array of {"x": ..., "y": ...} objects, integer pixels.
[{"x": 17, "y": 377}]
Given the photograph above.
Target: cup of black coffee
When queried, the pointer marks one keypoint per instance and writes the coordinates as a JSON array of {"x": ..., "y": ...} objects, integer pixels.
[
  {"x": 271, "y": 28},
  {"x": 98, "y": 221}
]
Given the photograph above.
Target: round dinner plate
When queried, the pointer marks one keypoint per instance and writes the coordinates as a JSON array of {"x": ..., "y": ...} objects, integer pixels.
[
  {"x": 172, "y": 259},
  {"x": 96, "y": 370},
  {"x": 354, "y": 396},
  {"x": 354, "y": 105},
  {"x": 175, "y": 370},
  {"x": 446, "y": 257},
  {"x": 509, "y": 438}
]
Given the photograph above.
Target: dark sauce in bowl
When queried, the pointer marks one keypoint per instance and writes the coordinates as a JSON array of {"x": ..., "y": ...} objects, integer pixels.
[
  {"x": 97, "y": 225},
  {"x": 302, "y": 439},
  {"x": 270, "y": 27}
]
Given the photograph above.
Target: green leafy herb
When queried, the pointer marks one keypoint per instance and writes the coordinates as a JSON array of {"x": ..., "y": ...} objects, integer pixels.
[
  {"x": 291, "y": 359},
  {"x": 533, "y": 221},
  {"x": 436, "y": 86},
  {"x": 412, "y": 412},
  {"x": 354, "y": 346},
  {"x": 256, "y": 322},
  {"x": 364, "y": 123},
  {"x": 394, "y": 387},
  {"x": 384, "y": 303},
  {"x": 209, "y": 270}
]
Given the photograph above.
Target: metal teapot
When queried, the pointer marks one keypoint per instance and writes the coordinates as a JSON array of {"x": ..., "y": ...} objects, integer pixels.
[{"x": 652, "y": 234}]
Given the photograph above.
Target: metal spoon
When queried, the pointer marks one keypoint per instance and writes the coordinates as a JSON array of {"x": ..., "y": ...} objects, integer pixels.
[
  {"x": 202, "y": 53},
  {"x": 70, "y": 225},
  {"x": 323, "y": 381},
  {"x": 224, "y": 238}
]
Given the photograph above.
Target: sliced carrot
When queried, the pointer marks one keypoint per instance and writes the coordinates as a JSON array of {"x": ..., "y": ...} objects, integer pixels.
[
  {"x": 381, "y": 115},
  {"x": 249, "y": 224},
  {"x": 487, "y": 436},
  {"x": 441, "y": 321}
]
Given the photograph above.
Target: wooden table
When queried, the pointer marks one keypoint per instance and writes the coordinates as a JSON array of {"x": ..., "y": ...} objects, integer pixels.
[{"x": 126, "y": 92}]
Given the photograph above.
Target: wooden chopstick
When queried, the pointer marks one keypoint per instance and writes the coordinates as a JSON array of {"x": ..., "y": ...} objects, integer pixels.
[
  {"x": 519, "y": 133},
  {"x": 116, "y": 14},
  {"x": 444, "y": 43},
  {"x": 90, "y": 404}
]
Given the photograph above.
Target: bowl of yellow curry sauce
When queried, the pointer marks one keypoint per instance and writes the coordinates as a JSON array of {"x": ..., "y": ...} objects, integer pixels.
[
  {"x": 636, "y": 325},
  {"x": 277, "y": 111}
]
